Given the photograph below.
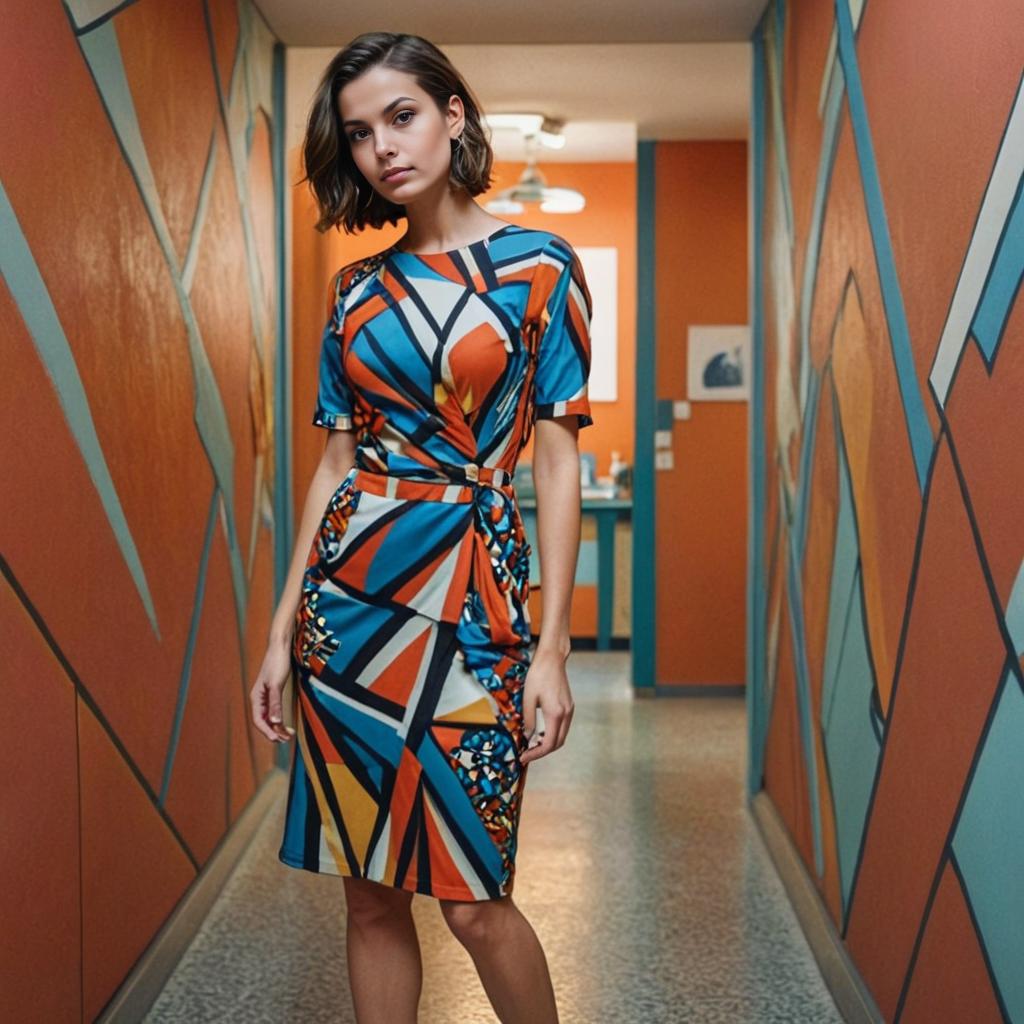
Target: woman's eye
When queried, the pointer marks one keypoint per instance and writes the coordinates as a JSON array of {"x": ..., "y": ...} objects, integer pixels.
[{"x": 356, "y": 137}]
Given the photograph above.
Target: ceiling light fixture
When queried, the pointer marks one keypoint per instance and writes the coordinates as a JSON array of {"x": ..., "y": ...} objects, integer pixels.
[{"x": 532, "y": 187}]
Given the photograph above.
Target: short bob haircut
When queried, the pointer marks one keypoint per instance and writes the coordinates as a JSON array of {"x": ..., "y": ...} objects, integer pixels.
[{"x": 343, "y": 194}]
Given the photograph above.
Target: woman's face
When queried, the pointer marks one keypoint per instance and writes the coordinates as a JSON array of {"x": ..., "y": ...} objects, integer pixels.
[{"x": 390, "y": 122}]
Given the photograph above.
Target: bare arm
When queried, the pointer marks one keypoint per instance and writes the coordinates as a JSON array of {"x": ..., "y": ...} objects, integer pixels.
[
  {"x": 556, "y": 476},
  {"x": 337, "y": 459}
]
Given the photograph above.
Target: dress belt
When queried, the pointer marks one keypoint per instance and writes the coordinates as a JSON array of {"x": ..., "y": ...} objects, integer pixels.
[{"x": 445, "y": 482}]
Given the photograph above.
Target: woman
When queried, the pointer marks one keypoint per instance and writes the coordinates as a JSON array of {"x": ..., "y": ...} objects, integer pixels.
[{"x": 404, "y": 614}]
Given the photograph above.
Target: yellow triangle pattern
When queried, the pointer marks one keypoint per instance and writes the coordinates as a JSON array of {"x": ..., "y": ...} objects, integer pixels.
[
  {"x": 479, "y": 711},
  {"x": 331, "y": 834},
  {"x": 360, "y": 808}
]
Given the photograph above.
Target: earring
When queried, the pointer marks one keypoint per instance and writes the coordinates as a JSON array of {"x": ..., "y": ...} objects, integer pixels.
[{"x": 457, "y": 152}]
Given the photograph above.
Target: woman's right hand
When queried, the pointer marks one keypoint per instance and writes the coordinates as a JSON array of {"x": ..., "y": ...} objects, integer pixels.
[{"x": 265, "y": 696}]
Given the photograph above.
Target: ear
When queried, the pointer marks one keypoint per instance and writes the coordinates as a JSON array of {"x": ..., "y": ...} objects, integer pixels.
[{"x": 456, "y": 116}]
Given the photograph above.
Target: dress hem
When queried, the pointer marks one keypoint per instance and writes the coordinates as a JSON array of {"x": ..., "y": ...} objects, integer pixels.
[{"x": 437, "y": 891}]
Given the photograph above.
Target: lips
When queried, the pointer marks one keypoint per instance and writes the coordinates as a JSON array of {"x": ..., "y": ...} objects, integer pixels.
[{"x": 387, "y": 175}]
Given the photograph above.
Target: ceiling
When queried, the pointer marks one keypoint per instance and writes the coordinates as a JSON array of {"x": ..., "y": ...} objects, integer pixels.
[
  {"x": 316, "y": 22},
  {"x": 614, "y": 72}
]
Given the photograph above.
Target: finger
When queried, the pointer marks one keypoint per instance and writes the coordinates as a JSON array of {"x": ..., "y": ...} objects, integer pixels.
[
  {"x": 529, "y": 715},
  {"x": 539, "y": 748},
  {"x": 563, "y": 728},
  {"x": 544, "y": 740},
  {"x": 275, "y": 714},
  {"x": 258, "y": 702},
  {"x": 535, "y": 733},
  {"x": 256, "y": 707}
]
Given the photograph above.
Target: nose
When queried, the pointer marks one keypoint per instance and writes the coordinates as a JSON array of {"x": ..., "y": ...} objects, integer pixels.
[{"x": 384, "y": 147}]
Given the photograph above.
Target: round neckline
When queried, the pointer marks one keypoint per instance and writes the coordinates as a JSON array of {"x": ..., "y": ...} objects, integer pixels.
[{"x": 448, "y": 252}]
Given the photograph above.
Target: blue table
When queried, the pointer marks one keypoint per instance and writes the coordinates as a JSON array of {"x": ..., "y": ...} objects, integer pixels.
[{"x": 607, "y": 512}]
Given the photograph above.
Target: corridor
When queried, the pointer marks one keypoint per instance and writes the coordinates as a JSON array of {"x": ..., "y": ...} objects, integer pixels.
[{"x": 639, "y": 867}]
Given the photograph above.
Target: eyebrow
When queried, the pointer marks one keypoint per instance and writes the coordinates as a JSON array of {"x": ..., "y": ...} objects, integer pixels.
[{"x": 387, "y": 110}]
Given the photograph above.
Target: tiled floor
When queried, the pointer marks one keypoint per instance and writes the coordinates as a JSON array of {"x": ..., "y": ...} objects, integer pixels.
[{"x": 639, "y": 868}]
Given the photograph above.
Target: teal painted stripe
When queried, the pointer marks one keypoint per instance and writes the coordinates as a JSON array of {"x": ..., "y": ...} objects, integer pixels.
[
  {"x": 807, "y": 441},
  {"x": 188, "y": 269},
  {"x": 844, "y": 579},
  {"x": 284, "y": 520},
  {"x": 981, "y": 264},
  {"x": 32, "y": 298},
  {"x": 852, "y": 745},
  {"x": 190, "y": 647},
  {"x": 756, "y": 583},
  {"x": 1015, "y": 613},
  {"x": 918, "y": 428},
  {"x": 1003, "y": 282},
  {"x": 829, "y": 147},
  {"x": 284, "y": 523},
  {"x": 780, "y": 35},
  {"x": 988, "y": 842},
  {"x": 774, "y": 39},
  {"x": 808, "y": 733},
  {"x": 284, "y": 526},
  {"x": 644, "y": 525},
  {"x": 103, "y": 58},
  {"x": 87, "y": 15},
  {"x": 239, "y": 128}
]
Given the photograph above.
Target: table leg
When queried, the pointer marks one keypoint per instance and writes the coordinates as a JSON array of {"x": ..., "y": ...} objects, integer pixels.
[{"x": 605, "y": 579}]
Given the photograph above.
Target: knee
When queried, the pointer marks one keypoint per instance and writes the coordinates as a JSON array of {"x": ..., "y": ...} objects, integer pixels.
[
  {"x": 370, "y": 902},
  {"x": 471, "y": 922}
]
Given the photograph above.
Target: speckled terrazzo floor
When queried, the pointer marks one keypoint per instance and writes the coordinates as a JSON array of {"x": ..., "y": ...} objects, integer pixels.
[{"x": 639, "y": 868}]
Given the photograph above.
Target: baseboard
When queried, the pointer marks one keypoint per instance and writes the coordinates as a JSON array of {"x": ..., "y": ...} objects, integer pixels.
[
  {"x": 135, "y": 997},
  {"x": 848, "y": 990}
]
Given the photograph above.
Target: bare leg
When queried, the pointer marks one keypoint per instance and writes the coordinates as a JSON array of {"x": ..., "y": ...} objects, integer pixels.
[
  {"x": 508, "y": 957},
  {"x": 384, "y": 966}
]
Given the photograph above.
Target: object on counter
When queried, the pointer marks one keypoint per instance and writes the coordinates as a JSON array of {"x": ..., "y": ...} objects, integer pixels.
[
  {"x": 588, "y": 469},
  {"x": 621, "y": 473}
]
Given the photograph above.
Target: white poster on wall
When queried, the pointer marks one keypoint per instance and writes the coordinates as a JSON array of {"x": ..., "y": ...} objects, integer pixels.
[
  {"x": 601, "y": 268},
  {"x": 718, "y": 363}
]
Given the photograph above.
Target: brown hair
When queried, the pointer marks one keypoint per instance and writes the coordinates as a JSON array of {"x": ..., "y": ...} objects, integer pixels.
[{"x": 342, "y": 193}]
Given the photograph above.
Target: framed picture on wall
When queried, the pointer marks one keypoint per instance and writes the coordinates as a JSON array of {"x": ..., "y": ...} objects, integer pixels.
[
  {"x": 718, "y": 363},
  {"x": 601, "y": 267}
]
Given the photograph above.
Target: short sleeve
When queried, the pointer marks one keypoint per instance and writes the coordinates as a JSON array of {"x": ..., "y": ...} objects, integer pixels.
[
  {"x": 563, "y": 353},
  {"x": 334, "y": 400}
]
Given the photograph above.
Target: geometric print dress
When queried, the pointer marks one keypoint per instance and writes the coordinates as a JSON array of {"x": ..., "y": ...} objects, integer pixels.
[{"x": 412, "y": 634}]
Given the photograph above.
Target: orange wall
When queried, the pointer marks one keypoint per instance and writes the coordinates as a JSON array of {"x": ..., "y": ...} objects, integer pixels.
[
  {"x": 701, "y": 504},
  {"x": 887, "y": 722},
  {"x": 608, "y": 220},
  {"x": 137, "y": 584}
]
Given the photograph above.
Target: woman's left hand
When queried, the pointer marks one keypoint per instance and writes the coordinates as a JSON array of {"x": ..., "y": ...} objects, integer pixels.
[{"x": 546, "y": 687}]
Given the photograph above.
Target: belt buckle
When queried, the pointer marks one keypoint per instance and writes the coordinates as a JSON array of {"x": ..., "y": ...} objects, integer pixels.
[{"x": 472, "y": 471}]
